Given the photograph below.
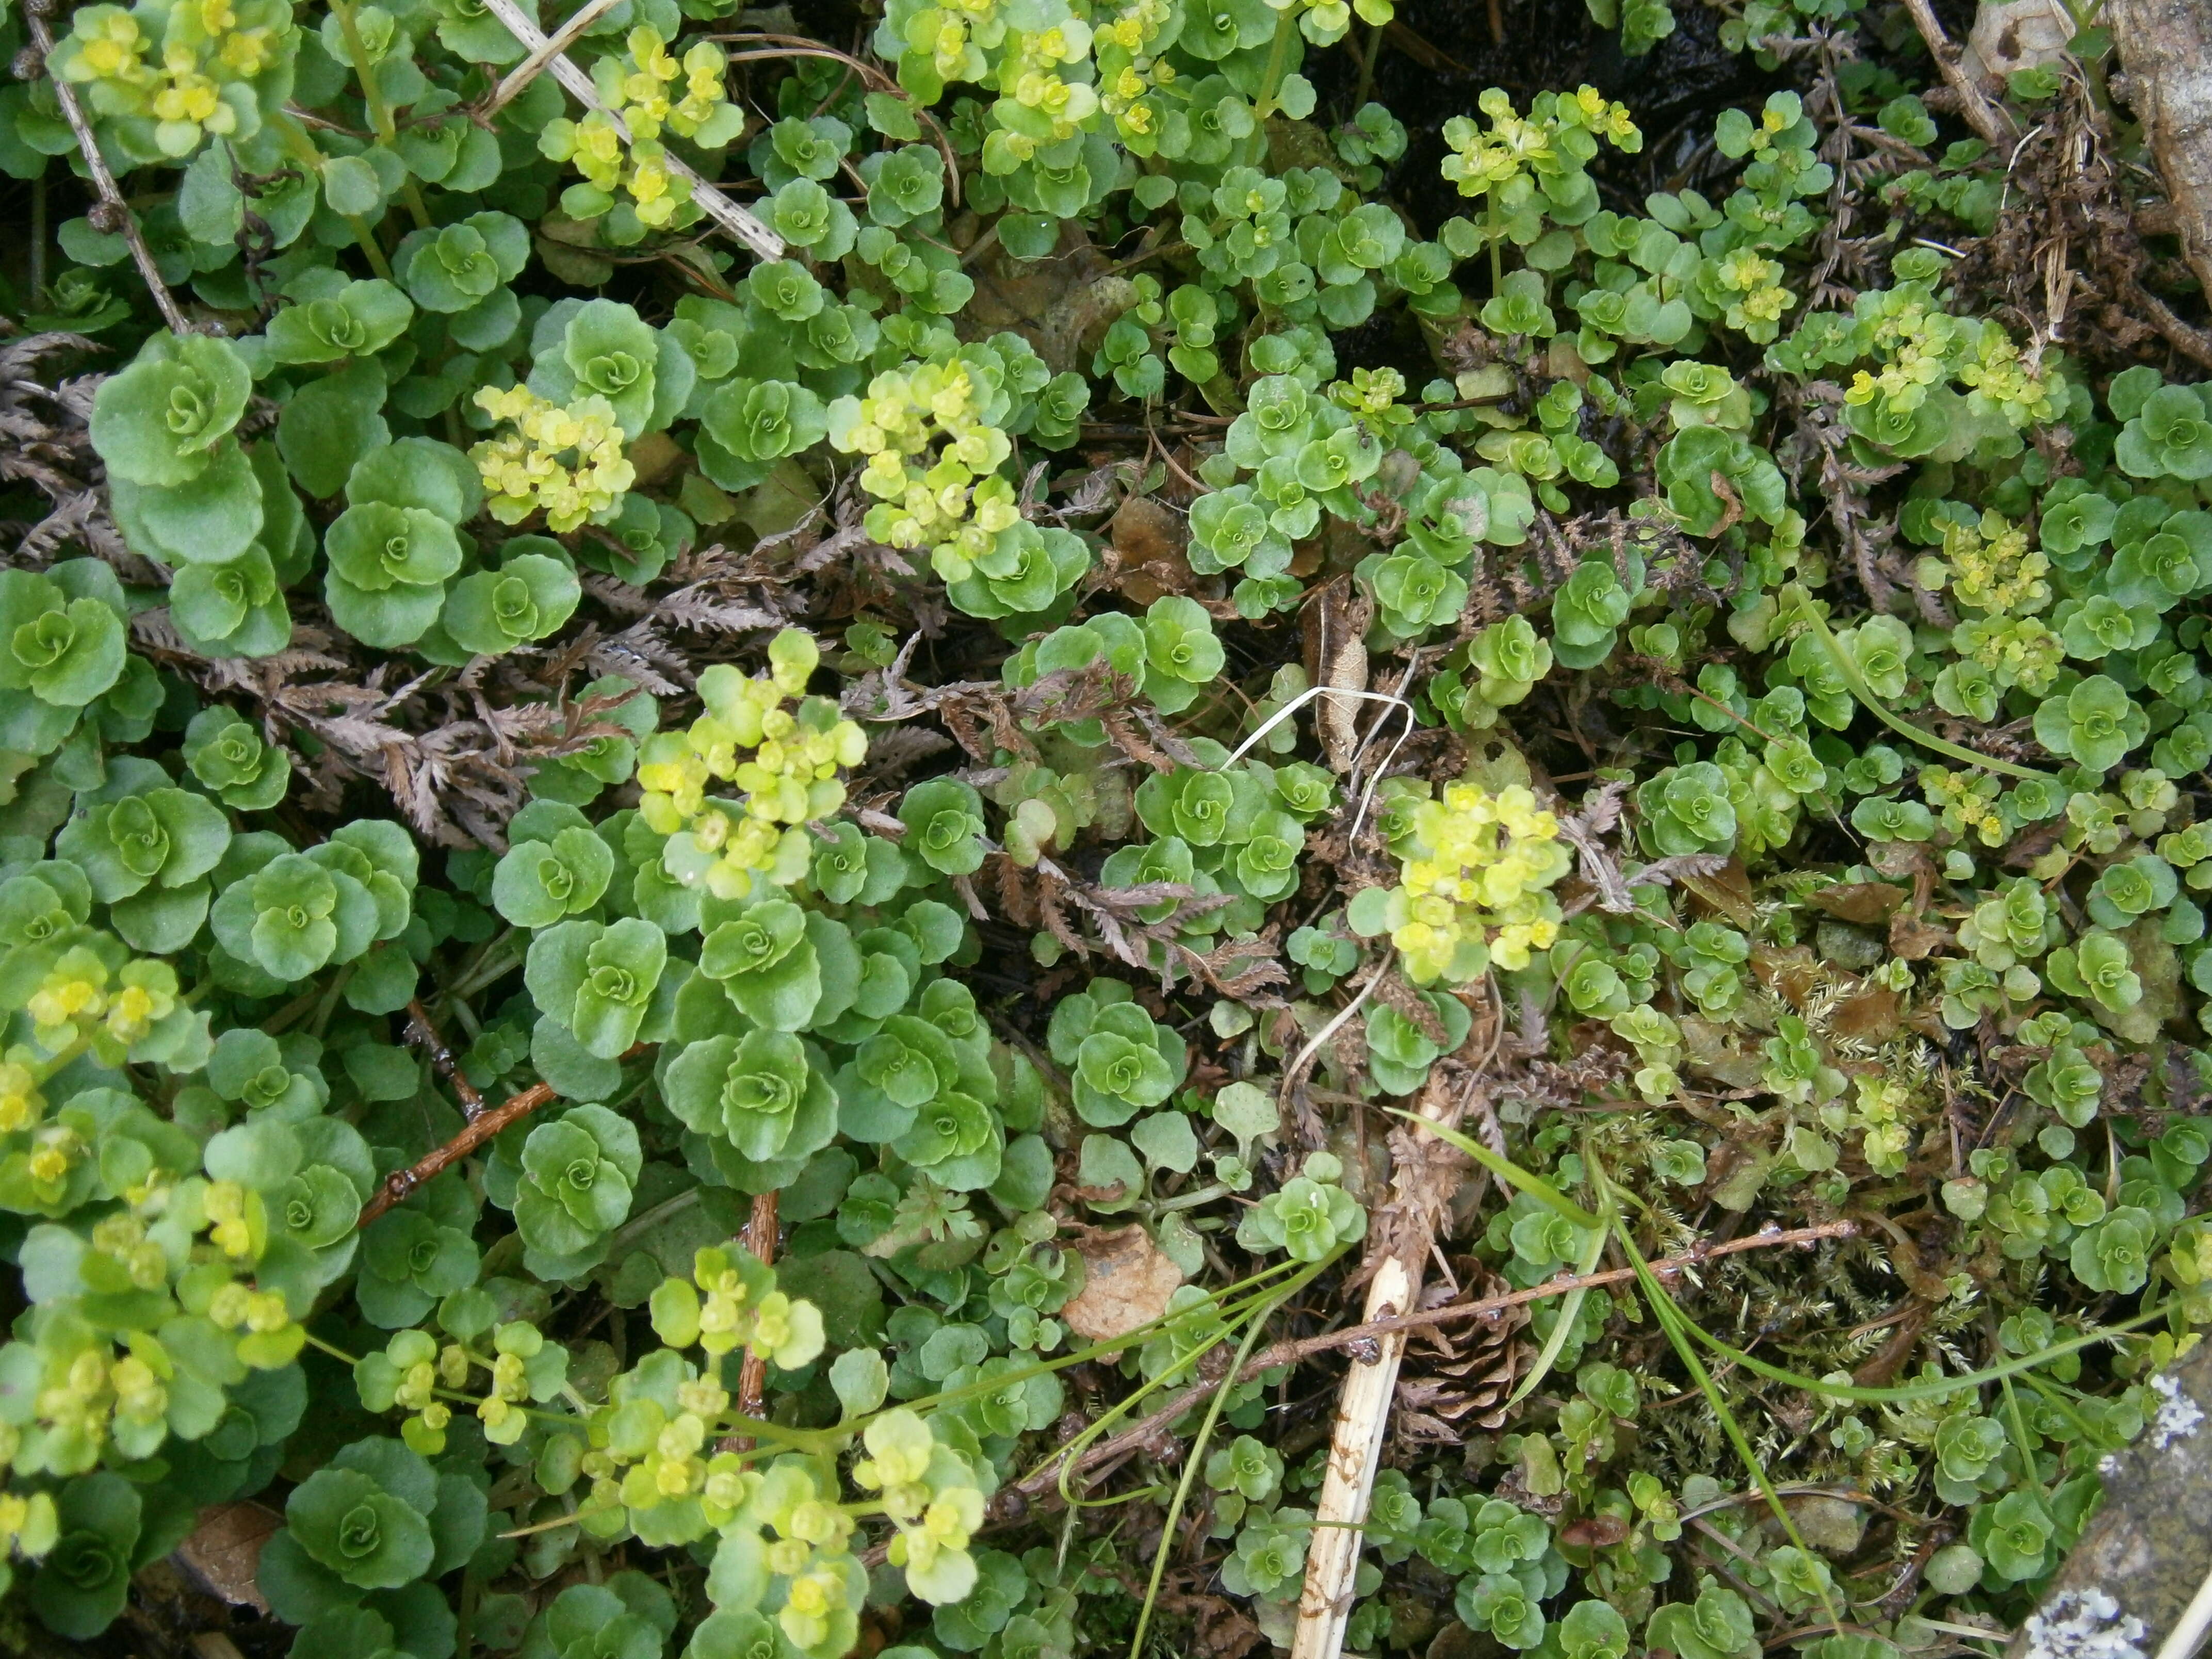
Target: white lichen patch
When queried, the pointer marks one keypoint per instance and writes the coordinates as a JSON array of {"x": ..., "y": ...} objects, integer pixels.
[
  {"x": 2179, "y": 1416},
  {"x": 2084, "y": 1625}
]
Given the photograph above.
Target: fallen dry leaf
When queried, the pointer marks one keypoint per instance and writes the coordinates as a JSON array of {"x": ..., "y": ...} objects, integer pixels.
[
  {"x": 1727, "y": 890},
  {"x": 1127, "y": 1283},
  {"x": 1147, "y": 539},
  {"x": 1869, "y": 1013},
  {"x": 1594, "y": 1532},
  {"x": 224, "y": 1550},
  {"x": 1336, "y": 657},
  {"x": 1914, "y": 939},
  {"x": 1867, "y": 904}
]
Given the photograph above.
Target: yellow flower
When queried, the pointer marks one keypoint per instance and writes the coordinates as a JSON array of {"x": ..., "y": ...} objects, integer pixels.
[
  {"x": 20, "y": 1102},
  {"x": 534, "y": 472},
  {"x": 1476, "y": 868}
]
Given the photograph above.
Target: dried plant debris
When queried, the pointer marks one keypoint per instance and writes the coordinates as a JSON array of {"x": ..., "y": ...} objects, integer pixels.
[{"x": 1068, "y": 830}]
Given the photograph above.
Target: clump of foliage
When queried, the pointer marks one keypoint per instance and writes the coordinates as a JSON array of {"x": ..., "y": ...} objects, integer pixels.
[{"x": 940, "y": 826}]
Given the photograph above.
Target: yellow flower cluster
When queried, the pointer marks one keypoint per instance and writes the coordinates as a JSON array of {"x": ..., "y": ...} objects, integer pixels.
[
  {"x": 1918, "y": 344},
  {"x": 231, "y": 1218},
  {"x": 1991, "y": 567},
  {"x": 55, "y": 1151},
  {"x": 1757, "y": 299},
  {"x": 2019, "y": 651},
  {"x": 73, "y": 996},
  {"x": 952, "y": 33},
  {"x": 22, "y": 1104},
  {"x": 1998, "y": 378},
  {"x": 592, "y": 145},
  {"x": 814, "y": 1596},
  {"x": 418, "y": 1392},
  {"x": 646, "y": 1457},
  {"x": 784, "y": 762},
  {"x": 1966, "y": 801},
  {"x": 1127, "y": 70},
  {"x": 123, "y": 1239},
  {"x": 203, "y": 46},
  {"x": 644, "y": 84},
  {"x": 238, "y": 1306},
  {"x": 567, "y": 461},
  {"x": 29, "y": 1525},
  {"x": 640, "y": 87},
  {"x": 927, "y": 497},
  {"x": 1483, "y": 162},
  {"x": 935, "y": 1520},
  {"x": 1030, "y": 74},
  {"x": 83, "y": 1398},
  {"x": 1478, "y": 873},
  {"x": 1597, "y": 115},
  {"x": 1880, "y": 1116}
]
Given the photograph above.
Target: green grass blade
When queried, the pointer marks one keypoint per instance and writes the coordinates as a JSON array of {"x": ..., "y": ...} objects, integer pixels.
[{"x": 1507, "y": 1170}]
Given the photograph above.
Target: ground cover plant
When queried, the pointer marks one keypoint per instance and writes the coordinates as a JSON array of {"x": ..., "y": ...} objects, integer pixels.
[{"x": 815, "y": 819}]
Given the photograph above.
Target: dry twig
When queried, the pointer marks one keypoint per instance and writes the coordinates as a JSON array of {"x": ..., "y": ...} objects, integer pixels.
[
  {"x": 752, "y": 1375},
  {"x": 1401, "y": 1239},
  {"x": 1041, "y": 1480},
  {"x": 419, "y": 1029},
  {"x": 1990, "y": 122},
  {"x": 113, "y": 214},
  {"x": 718, "y": 207},
  {"x": 396, "y": 1188},
  {"x": 547, "y": 49}
]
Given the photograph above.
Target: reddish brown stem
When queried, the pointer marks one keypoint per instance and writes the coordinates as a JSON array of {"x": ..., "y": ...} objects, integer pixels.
[
  {"x": 752, "y": 1375},
  {"x": 419, "y": 1029},
  {"x": 396, "y": 1187}
]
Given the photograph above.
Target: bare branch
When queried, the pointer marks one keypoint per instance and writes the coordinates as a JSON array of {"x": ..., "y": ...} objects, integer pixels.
[
  {"x": 113, "y": 214},
  {"x": 720, "y": 209}
]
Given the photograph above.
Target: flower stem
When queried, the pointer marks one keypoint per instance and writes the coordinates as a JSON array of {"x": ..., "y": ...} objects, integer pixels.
[
  {"x": 379, "y": 112},
  {"x": 305, "y": 151},
  {"x": 1278, "y": 56}
]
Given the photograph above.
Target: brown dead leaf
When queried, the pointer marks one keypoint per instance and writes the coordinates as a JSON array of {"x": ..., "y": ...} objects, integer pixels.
[
  {"x": 1870, "y": 1012},
  {"x": 1727, "y": 890},
  {"x": 1336, "y": 656},
  {"x": 654, "y": 456},
  {"x": 2033, "y": 842},
  {"x": 1790, "y": 974},
  {"x": 1127, "y": 1281},
  {"x": 1867, "y": 904},
  {"x": 1060, "y": 304},
  {"x": 1147, "y": 540},
  {"x": 224, "y": 1550},
  {"x": 1223, "y": 1629},
  {"x": 1914, "y": 939},
  {"x": 1594, "y": 1532}
]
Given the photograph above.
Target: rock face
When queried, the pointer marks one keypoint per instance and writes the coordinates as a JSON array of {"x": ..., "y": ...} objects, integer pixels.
[
  {"x": 2166, "y": 46},
  {"x": 2150, "y": 1546}
]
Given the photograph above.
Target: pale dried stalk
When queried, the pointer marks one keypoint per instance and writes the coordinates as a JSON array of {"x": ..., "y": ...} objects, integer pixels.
[
  {"x": 103, "y": 181},
  {"x": 543, "y": 53},
  {"x": 716, "y": 206},
  {"x": 1355, "y": 1452},
  {"x": 1989, "y": 120}
]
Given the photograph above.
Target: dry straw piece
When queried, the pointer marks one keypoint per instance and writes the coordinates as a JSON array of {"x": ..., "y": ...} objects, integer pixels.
[{"x": 546, "y": 54}]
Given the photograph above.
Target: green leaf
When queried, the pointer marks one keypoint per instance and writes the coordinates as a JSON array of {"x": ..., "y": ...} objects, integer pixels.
[
  {"x": 210, "y": 518},
  {"x": 330, "y": 423},
  {"x": 346, "y": 1520},
  {"x": 157, "y": 423},
  {"x": 85, "y": 1578}
]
